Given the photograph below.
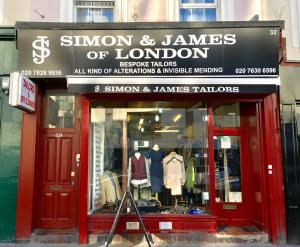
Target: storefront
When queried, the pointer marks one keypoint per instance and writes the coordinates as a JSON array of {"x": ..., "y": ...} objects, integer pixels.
[{"x": 184, "y": 115}]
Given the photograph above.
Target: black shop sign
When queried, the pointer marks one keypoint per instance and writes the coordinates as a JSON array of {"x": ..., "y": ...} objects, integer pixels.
[{"x": 193, "y": 52}]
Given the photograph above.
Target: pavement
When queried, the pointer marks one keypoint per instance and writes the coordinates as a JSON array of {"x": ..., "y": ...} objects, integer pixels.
[{"x": 182, "y": 244}]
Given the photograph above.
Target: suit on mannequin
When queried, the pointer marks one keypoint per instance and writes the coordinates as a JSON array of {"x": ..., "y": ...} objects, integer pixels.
[{"x": 174, "y": 173}]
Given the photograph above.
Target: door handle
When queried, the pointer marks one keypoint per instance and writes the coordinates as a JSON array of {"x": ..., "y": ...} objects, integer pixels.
[{"x": 77, "y": 158}]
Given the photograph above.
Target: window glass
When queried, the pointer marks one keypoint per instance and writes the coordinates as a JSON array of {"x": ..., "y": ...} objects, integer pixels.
[
  {"x": 227, "y": 169},
  {"x": 59, "y": 111},
  {"x": 94, "y": 11},
  {"x": 197, "y": 14},
  {"x": 226, "y": 116},
  {"x": 83, "y": 15},
  {"x": 102, "y": 15},
  {"x": 94, "y": 15},
  {"x": 157, "y": 149},
  {"x": 198, "y": 10}
]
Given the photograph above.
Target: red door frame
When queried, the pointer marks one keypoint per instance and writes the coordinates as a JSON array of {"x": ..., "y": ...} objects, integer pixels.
[
  {"x": 83, "y": 179},
  {"x": 274, "y": 173}
]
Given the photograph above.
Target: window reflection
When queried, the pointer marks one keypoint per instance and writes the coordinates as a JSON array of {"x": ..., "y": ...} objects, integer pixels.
[
  {"x": 198, "y": 10},
  {"x": 227, "y": 116},
  {"x": 166, "y": 164},
  {"x": 94, "y": 15},
  {"x": 94, "y": 11},
  {"x": 227, "y": 169},
  {"x": 198, "y": 14},
  {"x": 59, "y": 111}
]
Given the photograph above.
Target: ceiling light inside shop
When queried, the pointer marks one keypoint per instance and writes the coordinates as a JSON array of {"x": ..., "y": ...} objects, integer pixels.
[
  {"x": 156, "y": 118},
  {"x": 142, "y": 129},
  {"x": 166, "y": 131},
  {"x": 160, "y": 110},
  {"x": 141, "y": 121},
  {"x": 177, "y": 117}
]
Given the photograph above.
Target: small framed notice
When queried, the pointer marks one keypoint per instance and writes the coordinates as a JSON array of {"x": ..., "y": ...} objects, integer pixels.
[
  {"x": 235, "y": 196},
  {"x": 225, "y": 142}
]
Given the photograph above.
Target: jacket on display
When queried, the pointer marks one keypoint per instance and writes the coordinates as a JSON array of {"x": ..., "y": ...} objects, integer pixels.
[
  {"x": 174, "y": 173},
  {"x": 110, "y": 190}
]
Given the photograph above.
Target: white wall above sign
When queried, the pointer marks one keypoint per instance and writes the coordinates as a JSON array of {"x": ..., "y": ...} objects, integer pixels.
[{"x": 22, "y": 92}]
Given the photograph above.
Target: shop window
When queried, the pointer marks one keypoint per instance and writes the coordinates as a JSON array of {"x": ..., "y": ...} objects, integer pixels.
[
  {"x": 227, "y": 116},
  {"x": 227, "y": 169},
  {"x": 94, "y": 11},
  {"x": 59, "y": 111},
  {"x": 198, "y": 10},
  {"x": 159, "y": 150}
]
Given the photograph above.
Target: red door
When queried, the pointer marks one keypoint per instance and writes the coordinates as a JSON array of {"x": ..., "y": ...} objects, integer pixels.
[
  {"x": 232, "y": 188},
  {"x": 58, "y": 166},
  {"x": 230, "y": 179}
]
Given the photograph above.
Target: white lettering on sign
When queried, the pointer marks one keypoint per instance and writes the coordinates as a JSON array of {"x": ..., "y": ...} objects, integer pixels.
[
  {"x": 41, "y": 49},
  {"x": 180, "y": 41},
  {"x": 85, "y": 40},
  {"x": 203, "y": 39},
  {"x": 162, "y": 53}
]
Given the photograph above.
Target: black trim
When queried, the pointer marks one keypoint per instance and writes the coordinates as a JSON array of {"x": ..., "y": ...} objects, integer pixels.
[
  {"x": 145, "y": 25},
  {"x": 200, "y": 89}
]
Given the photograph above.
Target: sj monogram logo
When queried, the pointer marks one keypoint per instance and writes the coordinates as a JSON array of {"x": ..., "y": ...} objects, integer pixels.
[{"x": 41, "y": 49}]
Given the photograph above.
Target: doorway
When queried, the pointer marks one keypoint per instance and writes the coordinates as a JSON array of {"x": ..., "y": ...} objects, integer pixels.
[
  {"x": 238, "y": 169},
  {"x": 58, "y": 163}
]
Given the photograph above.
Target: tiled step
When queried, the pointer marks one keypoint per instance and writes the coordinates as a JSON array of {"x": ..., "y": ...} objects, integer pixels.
[
  {"x": 246, "y": 234},
  {"x": 57, "y": 236}
]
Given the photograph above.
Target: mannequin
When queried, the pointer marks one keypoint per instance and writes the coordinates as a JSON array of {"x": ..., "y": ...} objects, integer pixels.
[
  {"x": 137, "y": 155},
  {"x": 156, "y": 156},
  {"x": 155, "y": 147}
]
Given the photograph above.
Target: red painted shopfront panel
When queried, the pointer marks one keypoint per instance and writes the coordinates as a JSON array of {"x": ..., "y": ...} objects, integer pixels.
[{"x": 180, "y": 223}]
